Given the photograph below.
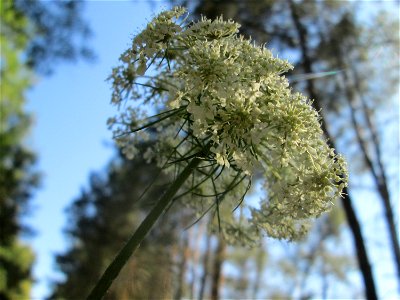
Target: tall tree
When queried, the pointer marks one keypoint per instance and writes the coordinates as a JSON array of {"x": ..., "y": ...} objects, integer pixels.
[
  {"x": 29, "y": 44},
  {"x": 17, "y": 177},
  {"x": 362, "y": 98},
  {"x": 205, "y": 266},
  {"x": 307, "y": 64},
  {"x": 217, "y": 275}
]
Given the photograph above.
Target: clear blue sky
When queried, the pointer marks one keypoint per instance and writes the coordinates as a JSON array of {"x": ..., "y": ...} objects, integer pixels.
[{"x": 70, "y": 134}]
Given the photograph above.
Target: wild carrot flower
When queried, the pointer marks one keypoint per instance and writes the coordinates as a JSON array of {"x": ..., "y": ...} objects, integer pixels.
[
  {"x": 221, "y": 95},
  {"x": 225, "y": 111}
]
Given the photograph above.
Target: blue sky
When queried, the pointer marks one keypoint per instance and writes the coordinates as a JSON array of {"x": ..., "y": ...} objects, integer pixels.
[{"x": 71, "y": 137}]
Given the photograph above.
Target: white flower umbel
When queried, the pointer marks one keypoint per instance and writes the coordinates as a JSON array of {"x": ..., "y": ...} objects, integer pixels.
[
  {"x": 218, "y": 89},
  {"x": 225, "y": 106}
]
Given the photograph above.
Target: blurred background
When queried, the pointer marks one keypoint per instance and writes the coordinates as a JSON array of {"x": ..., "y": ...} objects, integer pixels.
[{"x": 68, "y": 198}]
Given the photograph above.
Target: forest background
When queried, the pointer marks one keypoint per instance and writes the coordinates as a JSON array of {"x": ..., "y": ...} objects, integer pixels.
[{"x": 353, "y": 50}]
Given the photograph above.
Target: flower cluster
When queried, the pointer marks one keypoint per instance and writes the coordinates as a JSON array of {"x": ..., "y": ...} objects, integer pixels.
[{"x": 224, "y": 96}]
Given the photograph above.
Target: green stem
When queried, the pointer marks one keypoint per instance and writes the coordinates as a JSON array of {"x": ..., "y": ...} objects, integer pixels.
[{"x": 120, "y": 260}]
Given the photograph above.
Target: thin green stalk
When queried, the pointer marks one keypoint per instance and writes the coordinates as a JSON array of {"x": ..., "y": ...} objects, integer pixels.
[{"x": 120, "y": 260}]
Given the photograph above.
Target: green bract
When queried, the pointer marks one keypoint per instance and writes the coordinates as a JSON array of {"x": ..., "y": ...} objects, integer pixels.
[{"x": 221, "y": 95}]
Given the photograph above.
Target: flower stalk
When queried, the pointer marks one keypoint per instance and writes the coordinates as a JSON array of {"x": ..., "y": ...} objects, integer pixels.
[{"x": 131, "y": 246}]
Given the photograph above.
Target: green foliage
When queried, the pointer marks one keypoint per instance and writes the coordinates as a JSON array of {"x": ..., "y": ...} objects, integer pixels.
[
  {"x": 52, "y": 31},
  {"x": 17, "y": 178},
  {"x": 15, "y": 271}
]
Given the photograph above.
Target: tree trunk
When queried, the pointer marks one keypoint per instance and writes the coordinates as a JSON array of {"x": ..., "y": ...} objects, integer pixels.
[
  {"x": 195, "y": 256},
  {"x": 206, "y": 258},
  {"x": 260, "y": 263},
  {"x": 182, "y": 266},
  {"x": 362, "y": 256},
  {"x": 217, "y": 271}
]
